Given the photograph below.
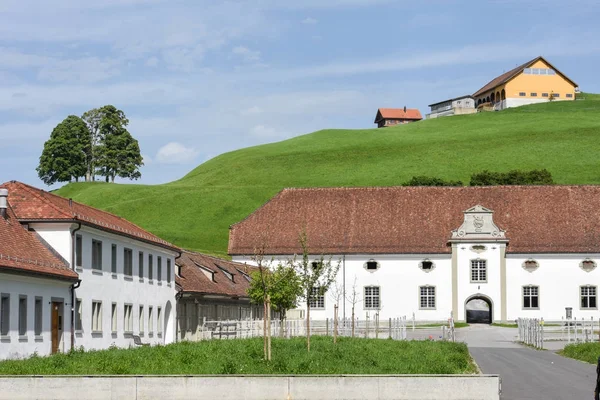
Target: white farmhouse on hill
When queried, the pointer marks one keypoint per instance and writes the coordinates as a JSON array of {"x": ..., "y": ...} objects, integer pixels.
[
  {"x": 88, "y": 278},
  {"x": 525, "y": 251}
]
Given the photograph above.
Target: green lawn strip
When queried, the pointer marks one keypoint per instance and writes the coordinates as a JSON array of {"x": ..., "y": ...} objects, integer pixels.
[
  {"x": 196, "y": 211},
  {"x": 434, "y": 325},
  {"x": 244, "y": 356},
  {"x": 587, "y": 352}
]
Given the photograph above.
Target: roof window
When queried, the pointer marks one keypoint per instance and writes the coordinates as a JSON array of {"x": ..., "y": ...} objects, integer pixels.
[
  {"x": 427, "y": 265},
  {"x": 371, "y": 265}
]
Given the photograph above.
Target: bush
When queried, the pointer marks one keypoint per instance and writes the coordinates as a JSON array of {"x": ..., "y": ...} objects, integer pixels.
[
  {"x": 430, "y": 181},
  {"x": 514, "y": 177}
]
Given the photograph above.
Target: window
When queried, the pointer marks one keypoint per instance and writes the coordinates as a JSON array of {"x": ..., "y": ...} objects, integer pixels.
[
  {"x": 427, "y": 297},
  {"x": 527, "y": 71},
  {"x": 522, "y": 94},
  {"x": 544, "y": 94},
  {"x": 427, "y": 265},
  {"x": 588, "y": 297},
  {"x": 556, "y": 95},
  {"x": 113, "y": 318},
  {"x": 141, "y": 320},
  {"x": 141, "y": 264},
  {"x": 159, "y": 268},
  {"x": 533, "y": 94},
  {"x": 150, "y": 324},
  {"x": 96, "y": 255},
  {"x": 5, "y": 314},
  {"x": 113, "y": 259},
  {"x": 128, "y": 318},
  {"x": 96, "y": 316},
  {"x": 128, "y": 262},
  {"x": 168, "y": 270},
  {"x": 531, "y": 297},
  {"x": 372, "y": 300},
  {"x": 371, "y": 265},
  {"x": 530, "y": 265},
  {"x": 569, "y": 95},
  {"x": 317, "y": 298},
  {"x": 159, "y": 320},
  {"x": 150, "y": 259},
  {"x": 478, "y": 271},
  {"x": 78, "y": 250},
  {"x": 37, "y": 328},
  {"x": 587, "y": 265},
  {"x": 22, "y": 315},
  {"x": 78, "y": 315}
]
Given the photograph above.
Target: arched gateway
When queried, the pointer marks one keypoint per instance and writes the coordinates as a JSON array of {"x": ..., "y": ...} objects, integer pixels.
[{"x": 479, "y": 309}]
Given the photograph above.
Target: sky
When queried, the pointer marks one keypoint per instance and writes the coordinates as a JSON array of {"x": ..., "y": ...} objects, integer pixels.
[{"x": 199, "y": 78}]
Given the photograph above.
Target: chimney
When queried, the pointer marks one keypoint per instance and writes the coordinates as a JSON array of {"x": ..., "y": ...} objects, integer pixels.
[
  {"x": 404, "y": 109},
  {"x": 3, "y": 202}
]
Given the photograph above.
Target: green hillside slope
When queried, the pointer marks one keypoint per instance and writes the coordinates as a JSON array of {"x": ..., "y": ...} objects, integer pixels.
[{"x": 196, "y": 211}]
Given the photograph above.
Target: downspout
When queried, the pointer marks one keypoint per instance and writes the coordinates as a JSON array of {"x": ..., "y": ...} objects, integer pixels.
[
  {"x": 178, "y": 296},
  {"x": 73, "y": 286}
]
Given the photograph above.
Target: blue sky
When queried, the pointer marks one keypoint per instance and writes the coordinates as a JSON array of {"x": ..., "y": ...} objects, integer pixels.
[{"x": 199, "y": 78}]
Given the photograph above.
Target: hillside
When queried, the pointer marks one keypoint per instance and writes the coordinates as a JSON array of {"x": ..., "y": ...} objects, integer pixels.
[{"x": 196, "y": 211}]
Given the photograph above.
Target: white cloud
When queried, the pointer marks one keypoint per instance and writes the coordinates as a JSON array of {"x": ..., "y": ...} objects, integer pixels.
[
  {"x": 246, "y": 54},
  {"x": 309, "y": 21},
  {"x": 176, "y": 153},
  {"x": 251, "y": 111}
]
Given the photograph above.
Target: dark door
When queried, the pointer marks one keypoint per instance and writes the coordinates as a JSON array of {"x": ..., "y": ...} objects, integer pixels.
[{"x": 55, "y": 326}]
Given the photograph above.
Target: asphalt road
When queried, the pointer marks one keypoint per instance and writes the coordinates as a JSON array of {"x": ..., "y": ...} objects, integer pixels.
[{"x": 528, "y": 374}]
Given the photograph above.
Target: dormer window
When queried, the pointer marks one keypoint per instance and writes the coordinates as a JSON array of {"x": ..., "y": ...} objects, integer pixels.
[
  {"x": 587, "y": 265},
  {"x": 427, "y": 265},
  {"x": 371, "y": 265},
  {"x": 228, "y": 274},
  {"x": 210, "y": 274},
  {"x": 530, "y": 265}
]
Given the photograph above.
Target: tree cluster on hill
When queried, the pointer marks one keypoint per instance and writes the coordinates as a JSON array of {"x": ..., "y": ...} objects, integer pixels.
[
  {"x": 488, "y": 178},
  {"x": 97, "y": 143}
]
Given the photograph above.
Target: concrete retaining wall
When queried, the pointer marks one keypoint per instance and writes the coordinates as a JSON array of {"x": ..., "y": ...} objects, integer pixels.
[{"x": 363, "y": 387}]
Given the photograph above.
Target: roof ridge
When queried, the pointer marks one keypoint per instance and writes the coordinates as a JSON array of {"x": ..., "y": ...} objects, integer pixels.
[{"x": 36, "y": 192}]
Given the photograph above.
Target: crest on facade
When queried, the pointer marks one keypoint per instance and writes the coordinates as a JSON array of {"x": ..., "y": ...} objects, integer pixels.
[{"x": 478, "y": 225}]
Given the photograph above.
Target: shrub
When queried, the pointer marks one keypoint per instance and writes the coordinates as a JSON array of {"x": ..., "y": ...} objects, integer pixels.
[
  {"x": 430, "y": 181},
  {"x": 514, "y": 177}
]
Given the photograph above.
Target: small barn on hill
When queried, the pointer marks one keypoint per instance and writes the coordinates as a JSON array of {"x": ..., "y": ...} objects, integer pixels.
[{"x": 395, "y": 116}]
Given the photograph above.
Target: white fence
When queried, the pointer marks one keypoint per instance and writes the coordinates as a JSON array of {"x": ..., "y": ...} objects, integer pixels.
[
  {"x": 393, "y": 328},
  {"x": 535, "y": 332}
]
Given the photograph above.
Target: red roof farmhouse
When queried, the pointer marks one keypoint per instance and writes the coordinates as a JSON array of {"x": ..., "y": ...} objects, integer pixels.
[{"x": 395, "y": 116}]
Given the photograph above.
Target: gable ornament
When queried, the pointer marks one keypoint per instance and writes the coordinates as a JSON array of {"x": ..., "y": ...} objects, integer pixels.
[{"x": 478, "y": 224}]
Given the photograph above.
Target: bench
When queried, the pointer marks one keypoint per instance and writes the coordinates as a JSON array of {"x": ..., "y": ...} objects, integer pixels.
[{"x": 138, "y": 341}]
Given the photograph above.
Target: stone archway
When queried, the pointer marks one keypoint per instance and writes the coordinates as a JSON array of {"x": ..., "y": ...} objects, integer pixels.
[
  {"x": 503, "y": 94},
  {"x": 479, "y": 309}
]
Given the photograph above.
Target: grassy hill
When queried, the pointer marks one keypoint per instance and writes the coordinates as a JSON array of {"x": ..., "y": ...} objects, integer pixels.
[{"x": 196, "y": 211}]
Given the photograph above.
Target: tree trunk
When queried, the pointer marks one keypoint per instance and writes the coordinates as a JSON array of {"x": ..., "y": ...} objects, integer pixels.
[
  {"x": 335, "y": 323},
  {"x": 112, "y": 179},
  {"x": 308, "y": 325},
  {"x": 281, "y": 323},
  {"x": 353, "y": 320}
]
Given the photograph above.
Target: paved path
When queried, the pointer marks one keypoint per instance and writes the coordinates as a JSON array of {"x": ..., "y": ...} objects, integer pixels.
[{"x": 527, "y": 374}]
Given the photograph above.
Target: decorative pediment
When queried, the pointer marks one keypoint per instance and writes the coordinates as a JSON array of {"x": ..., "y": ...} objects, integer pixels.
[{"x": 478, "y": 225}]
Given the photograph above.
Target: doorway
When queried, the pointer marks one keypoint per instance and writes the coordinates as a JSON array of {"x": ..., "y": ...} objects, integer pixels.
[
  {"x": 479, "y": 310},
  {"x": 56, "y": 325}
]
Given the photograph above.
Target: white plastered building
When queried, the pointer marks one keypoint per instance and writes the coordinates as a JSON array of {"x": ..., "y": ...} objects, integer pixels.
[
  {"x": 125, "y": 276},
  {"x": 433, "y": 252}
]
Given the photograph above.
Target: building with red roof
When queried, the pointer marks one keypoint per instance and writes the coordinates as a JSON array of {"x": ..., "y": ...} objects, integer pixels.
[{"x": 394, "y": 116}]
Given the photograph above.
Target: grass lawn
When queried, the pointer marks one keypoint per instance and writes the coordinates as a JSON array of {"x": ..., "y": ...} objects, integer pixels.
[
  {"x": 456, "y": 325},
  {"x": 588, "y": 352},
  {"x": 195, "y": 212},
  {"x": 505, "y": 325},
  {"x": 244, "y": 356}
]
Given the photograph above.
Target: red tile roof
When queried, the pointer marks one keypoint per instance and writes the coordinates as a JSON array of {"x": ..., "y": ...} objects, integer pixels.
[
  {"x": 507, "y": 76},
  {"x": 32, "y": 204},
  {"x": 398, "y": 113},
  {"x": 395, "y": 220},
  {"x": 22, "y": 252},
  {"x": 193, "y": 280}
]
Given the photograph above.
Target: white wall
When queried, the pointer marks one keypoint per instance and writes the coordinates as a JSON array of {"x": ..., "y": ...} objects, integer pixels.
[
  {"x": 399, "y": 278},
  {"x": 558, "y": 277},
  {"x": 109, "y": 288},
  {"x": 15, "y": 346}
]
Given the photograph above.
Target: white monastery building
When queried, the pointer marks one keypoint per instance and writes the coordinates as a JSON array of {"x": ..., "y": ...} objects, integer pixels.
[
  {"x": 72, "y": 275},
  {"x": 526, "y": 251}
]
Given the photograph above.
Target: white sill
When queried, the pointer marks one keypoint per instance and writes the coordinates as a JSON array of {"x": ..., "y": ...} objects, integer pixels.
[
  {"x": 5, "y": 338},
  {"x": 151, "y": 282},
  {"x": 39, "y": 338},
  {"x": 114, "y": 276},
  {"x": 97, "y": 334},
  {"x": 159, "y": 283},
  {"x": 23, "y": 338},
  {"x": 141, "y": 279},
  {"x": 97, "y": 272},
  {"x": 151, "y": 334},
  {"x": 141, "y": 334},
  {"x": 79, "y": 269},
  {"x": 159, "y": 335},
  {"x": 128, "y": 278},
  {"x": 168, "y": 284}
]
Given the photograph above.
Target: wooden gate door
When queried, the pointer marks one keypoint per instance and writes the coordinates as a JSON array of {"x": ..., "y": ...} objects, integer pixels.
[{"x": 55, "y": 327}]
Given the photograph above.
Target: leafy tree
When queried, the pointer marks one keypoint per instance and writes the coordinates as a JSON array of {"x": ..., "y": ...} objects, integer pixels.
[
  {"x": 514, "y": 177},
  {"x": 430, "y": 181},
  {"x": 281, "y": 286},
  {"x": 315, "y": 277},
  {"x": 92, "y": 119},
  {"x": 64, "y": 155}
]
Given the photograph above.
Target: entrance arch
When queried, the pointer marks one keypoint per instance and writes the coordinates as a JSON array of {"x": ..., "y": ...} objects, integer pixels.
[
  {"x": 479, "y": 309},
  {"x": 169, "y": 328}
]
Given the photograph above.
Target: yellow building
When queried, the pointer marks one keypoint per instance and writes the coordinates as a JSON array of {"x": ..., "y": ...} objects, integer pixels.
[{"x": 535, "y": 81}]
